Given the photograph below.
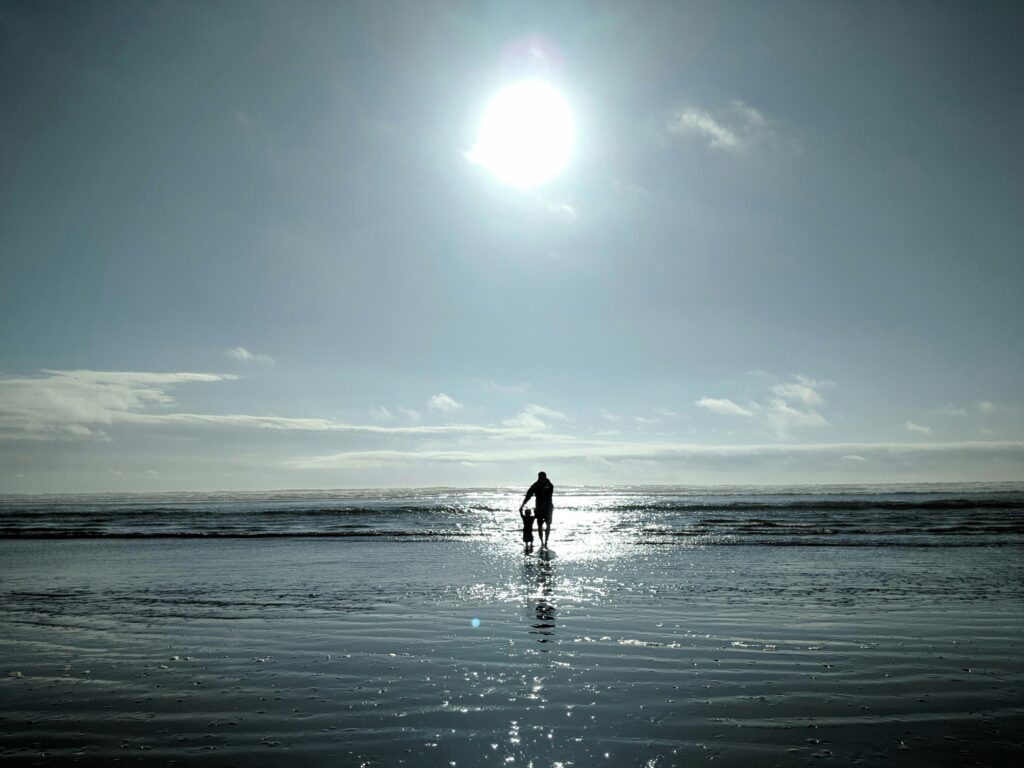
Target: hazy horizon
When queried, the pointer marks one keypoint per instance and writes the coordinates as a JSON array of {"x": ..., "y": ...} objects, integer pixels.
[{"x": 257, "y": 246}]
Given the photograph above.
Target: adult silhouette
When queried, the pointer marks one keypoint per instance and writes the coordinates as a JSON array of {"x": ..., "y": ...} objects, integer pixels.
[{"x": 543, "y": 491}]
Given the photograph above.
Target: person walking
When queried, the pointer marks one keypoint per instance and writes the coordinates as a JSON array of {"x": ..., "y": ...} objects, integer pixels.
[{"x": 543, "y": 490}]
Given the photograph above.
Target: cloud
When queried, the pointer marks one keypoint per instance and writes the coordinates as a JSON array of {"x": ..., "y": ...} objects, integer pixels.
[
  {"x": 245, "y": 356},
  {"x": 380, "y": 413},
  {"x": 784, "y": 416},
  {"x": 84, "y": 404},
  {"x": 410, "y": 413},
  {"x": 950, "y": 410},
  {"x": 81, "y": 403},
  {"x": 444, "y": 403},
  {"x": 535, "y": 418},
  {"x": 732, "y": 129},
  {"x": 722, "y": 406},
  {"x": 800, "y": 389},
  {"x": 722, "y": 456},
  {"x": 669, "y": 414},
  {"x": 919, "y": 428},
  {"x": 506, "y": 389},
  {"x": 783, "y": 407},
  {"x": 609, "y": 416},
  {"x": 298, "y": 424},
  {"x": 986, "y": 407},
  {"x": 563, "y": 212}
]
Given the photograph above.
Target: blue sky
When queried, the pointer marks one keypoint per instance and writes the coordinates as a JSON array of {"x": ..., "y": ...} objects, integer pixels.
[{"x": 242, "y": 246}]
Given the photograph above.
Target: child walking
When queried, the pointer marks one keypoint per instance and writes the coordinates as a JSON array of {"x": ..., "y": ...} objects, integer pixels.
[{"x": 527, "y": 517}]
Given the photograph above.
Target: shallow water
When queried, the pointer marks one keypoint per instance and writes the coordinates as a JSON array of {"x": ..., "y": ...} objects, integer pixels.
[
  {"x": 922, "y": 515},
  {"x": 362, "y": 652}
]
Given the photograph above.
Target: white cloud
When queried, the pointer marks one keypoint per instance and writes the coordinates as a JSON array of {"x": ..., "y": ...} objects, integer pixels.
[
  {"x": 84, "y": 404},
  {"x": 603, "y": 453},
  {"x": 563, "y": 212},
  {"x": 244, "y": 355},
  {"x": 81, "y": 403},
  {"x": 722, "y": 406},
  {"x": 644, "y": 420},
  {"x": 410, "y": 413},
  {"x": 788, "y": 405},
  {"x": 732, "y": 129},
  {"x": 609, "y": 416},
  {"x": 910, "y": 426},
  {"x": 669, "y": 414},
  {"x": 506, "y": 389},
  {"x": 444, "y": 403},
  {"x": 693, "y": 120},
  {"x": 801, "y": 390},
  {"x": 951, "y": 410},
  {"x": 535, "y": 418},
  {"x": 986, "y": 407},
  {"x": 247, "y": 421},
  {"x": 784, "y": 417},
  {"x": 380, "y": 413}
]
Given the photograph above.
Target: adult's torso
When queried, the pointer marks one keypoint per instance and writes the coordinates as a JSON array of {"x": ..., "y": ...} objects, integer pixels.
[{"x": 543, "y": 490}]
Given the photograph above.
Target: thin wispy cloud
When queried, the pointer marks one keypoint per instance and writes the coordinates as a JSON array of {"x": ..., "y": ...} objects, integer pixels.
[
  {"x": 609, "y": 416},
  {"x": 380, "y": 413},
  {"x": 444, "y": 403},
  {"x": 731, "y": 129},
  {"x": 410, "y": 413},
  {"x": 86, "y": 404},
  {"x": 535, "y": 418},
  {"x": 723, "y": 406},
  {"x": 781, "y": 406},
  {"x": 920, "y": 429},
  {"x": 563, "y": 212},
  {"x": 82, "y": 403},
  {"x": 608, "y": 453},
  {"x": 669, "y": 414},
  {"x": 515, "y": 388},
  {"x": 244, "y": 355}
]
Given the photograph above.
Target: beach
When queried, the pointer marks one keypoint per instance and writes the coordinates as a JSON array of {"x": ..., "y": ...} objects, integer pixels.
[{"x": 376, "y": 651}]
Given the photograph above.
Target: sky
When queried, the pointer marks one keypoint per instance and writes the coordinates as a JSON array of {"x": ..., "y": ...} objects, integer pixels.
[{"x": 246, "y": 245}]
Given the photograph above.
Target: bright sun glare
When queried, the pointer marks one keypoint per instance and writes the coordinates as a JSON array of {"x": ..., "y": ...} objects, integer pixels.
[{"x": 526, "y": 134}]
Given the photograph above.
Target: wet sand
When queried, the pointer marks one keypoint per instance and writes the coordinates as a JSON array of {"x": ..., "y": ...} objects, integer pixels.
[{"x": 350, "y": 653}]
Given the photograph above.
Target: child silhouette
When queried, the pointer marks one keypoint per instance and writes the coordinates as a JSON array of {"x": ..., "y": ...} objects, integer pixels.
[{"x": 527, "y": 517}]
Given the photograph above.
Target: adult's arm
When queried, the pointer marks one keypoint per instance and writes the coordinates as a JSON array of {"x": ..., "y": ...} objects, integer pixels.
[{"x": 529, "y": 495}]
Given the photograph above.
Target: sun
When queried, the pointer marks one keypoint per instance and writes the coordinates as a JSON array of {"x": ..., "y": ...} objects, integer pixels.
[{"x": 526, "y": 134}]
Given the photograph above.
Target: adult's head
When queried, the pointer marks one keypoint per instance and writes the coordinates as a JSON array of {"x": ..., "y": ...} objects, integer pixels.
[{"x": 542, "y": 475}]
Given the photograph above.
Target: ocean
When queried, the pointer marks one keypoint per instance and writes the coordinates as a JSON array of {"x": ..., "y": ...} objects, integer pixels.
[
  {"x": 869, "y": 626},
  {"x": 902, "y": 515}
]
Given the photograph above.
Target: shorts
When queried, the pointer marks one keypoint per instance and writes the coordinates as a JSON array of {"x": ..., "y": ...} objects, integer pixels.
[{"x": 543, "y": 514}]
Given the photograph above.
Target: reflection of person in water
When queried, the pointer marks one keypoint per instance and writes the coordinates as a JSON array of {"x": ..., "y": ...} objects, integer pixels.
[
  {"x": 544, "y": 610},
  {"x": 543, "y": 490}
]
